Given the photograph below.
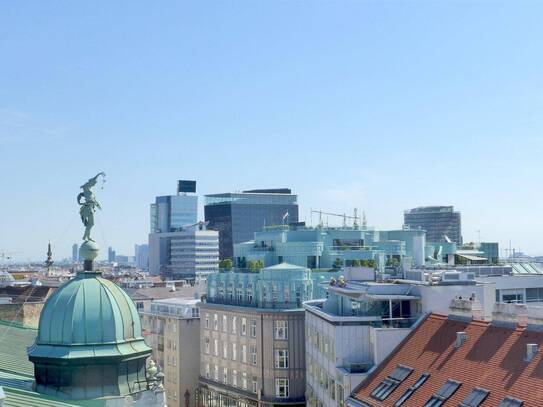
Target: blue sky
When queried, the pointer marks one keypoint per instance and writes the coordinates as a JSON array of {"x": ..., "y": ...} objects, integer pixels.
[{"x": 370, "y": 104}]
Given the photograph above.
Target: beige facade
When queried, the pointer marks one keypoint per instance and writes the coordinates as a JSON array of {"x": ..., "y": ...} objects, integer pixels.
[
  {"x": 175, "y": 339},
  {"x": 251, "y": 355}
]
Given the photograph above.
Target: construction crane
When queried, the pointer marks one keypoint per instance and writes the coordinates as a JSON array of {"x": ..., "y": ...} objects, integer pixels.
[{"x": 344, "y": 216}]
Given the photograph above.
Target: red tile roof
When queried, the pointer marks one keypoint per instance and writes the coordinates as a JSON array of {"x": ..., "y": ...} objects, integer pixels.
[{"x": 491, "y": 358}]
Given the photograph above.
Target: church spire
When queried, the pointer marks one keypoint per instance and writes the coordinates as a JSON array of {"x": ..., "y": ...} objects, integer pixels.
[{"x": 49, "y": 262}]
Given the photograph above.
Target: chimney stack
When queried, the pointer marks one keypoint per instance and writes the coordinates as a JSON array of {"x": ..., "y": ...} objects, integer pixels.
[{"x": 461, "y": 337}]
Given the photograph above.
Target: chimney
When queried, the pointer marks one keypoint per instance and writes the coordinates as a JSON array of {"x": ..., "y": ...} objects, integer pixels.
[
  {"x": 531, "y": 351},
  {"x": 510, "y": 313},
  {"x": 465, "y": 308},
  {"x": 461, "y": 337}
]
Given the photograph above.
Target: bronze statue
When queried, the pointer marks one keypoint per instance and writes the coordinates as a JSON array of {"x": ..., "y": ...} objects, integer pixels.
[{"x": 88, "y": 207}]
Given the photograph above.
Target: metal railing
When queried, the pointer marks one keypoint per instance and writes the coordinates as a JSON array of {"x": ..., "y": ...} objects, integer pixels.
[{"x": 256, "y": 304}]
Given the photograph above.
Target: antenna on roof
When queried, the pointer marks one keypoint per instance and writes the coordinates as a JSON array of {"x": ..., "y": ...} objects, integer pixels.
[{"x": 355, "y": 220}]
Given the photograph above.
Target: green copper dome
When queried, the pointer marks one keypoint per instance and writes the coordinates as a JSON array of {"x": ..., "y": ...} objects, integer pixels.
[
  {"x": 89, "y": 310},
  {"x": 89, "y": 342}
]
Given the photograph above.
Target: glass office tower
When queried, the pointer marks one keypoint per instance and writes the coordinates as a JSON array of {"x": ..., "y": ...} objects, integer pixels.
[
  {"x": 172, "y": 212},
  {"x": 437, "y": 221},
  {"x": 237, "y": 216}
]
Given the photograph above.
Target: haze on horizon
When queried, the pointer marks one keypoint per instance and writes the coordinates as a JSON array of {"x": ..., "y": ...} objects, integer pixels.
[{"x": 382, "y": 106}]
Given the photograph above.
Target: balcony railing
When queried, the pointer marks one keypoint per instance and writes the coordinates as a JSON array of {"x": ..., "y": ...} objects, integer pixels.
[{"x": 256, "y": 304}]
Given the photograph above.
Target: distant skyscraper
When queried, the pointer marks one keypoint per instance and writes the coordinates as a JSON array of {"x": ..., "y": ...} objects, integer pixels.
[
  {"x": 175, "y": 248},
  {"x": 172, "y": 212},
  {"x": 75, "y": 253},
  {"x": 437, "y": 221},
  {"x": 237, "y": 216},
  {"x": 141, "y": 253},
  {"x": 111, "y": 255},
  {"x": 183, "y": 253}
]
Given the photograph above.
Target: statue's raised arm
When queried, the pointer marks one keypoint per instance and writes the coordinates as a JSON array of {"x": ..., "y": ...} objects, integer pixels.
[{"x": 89, "y": 205}]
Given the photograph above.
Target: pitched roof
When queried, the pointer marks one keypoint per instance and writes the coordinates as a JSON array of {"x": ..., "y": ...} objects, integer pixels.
[
  {"x": 17, "y": 373},
  {"x": 492, "y": 358},
  {"x": 26, "y": 293},
  {"x": 14, "y": 339}
]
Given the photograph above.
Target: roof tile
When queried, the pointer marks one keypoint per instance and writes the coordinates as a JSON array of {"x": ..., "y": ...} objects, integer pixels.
[{"x": 492, "y": 358}]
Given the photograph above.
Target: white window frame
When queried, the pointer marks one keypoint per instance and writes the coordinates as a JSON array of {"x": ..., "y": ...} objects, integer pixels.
[
  {"x": 225, "y": 375},
  {"x": 244, "y": 380},
  {"x": 234, "y": 324},
  {"x": 253, "y": 328},
  {"x": 281, "y": 388},
  {"x": 225, "y": 350},
  {"x": 244, "y": 353},
  {"x": 215, "y": 322},
  {"x": 224, "y": 323},
  {"x": 281, "y": 330},
  {"x": 255, "y": 385},
  {"x": 243, "y": 326},
  {"x": 254, "y": 357},
  {"x": 281, "y": 359},
  {"x": 234, "y": 351}
]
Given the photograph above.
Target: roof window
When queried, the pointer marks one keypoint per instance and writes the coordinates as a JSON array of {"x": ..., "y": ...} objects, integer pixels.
[
  {"x": 409, "y": 392},
  {"x": 389, "y": 384},
  {"x": 511, "y": 402},
  {"x": 476, "y": 397},
  {"x": 443, "y": 394}
]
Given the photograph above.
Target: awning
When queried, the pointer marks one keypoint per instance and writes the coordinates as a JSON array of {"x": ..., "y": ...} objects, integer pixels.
[
  {"x": 471, "y": 257},
  {"x": 387, "y": 297}
]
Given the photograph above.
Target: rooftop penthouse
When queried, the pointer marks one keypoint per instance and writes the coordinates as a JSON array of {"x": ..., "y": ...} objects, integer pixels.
[
  {"x": 331, "y": 247},
  {"x": 176, "y": 308},
  {"x": 282, "y": 286}
]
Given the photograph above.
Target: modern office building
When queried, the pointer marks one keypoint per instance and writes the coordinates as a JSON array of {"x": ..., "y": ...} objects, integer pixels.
[
  {"x": 179, "y": 245},
  {"x": 360, "y": 323},
  {"x": 439, "y": 222},
  {"x": 172, "y": 212},
  {"x": 175, "y": 339},
  {"x": 491, "y": 251},
  {"x": 331, "y": 247},
  {"x": 184, "y": 253},
  {"x": 141, "y": 253},
  {"x": 252, "y": 337},
  {"x": 75, "y": 253},
  {"x": 111, "y": 255},
  {"x": 237, "y": 216}
]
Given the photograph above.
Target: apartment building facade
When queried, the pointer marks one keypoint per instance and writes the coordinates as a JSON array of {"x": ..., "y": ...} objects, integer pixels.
[
  {"x": 253, "y": 338},
  {"x": 175, "y": 340}
]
